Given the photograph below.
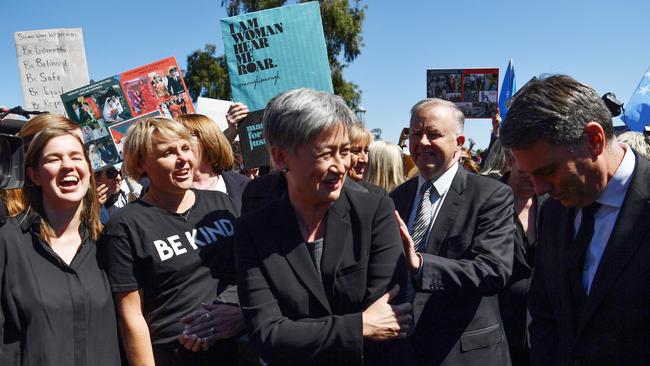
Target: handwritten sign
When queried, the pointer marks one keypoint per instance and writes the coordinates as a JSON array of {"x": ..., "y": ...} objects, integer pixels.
[{"x": 51, "y": 62}]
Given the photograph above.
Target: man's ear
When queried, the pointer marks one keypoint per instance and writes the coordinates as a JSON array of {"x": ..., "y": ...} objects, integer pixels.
[
  {"x": 279, "y": 156},
  {"x": 460, "y": 141},
  {"x": 595, "y": 138},
  {"x": 34, "y": 176}
]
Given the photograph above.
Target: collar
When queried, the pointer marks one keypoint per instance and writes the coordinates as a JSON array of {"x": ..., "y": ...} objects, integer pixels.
[
  {"x": 616, "y": 188},
  {"x": 443, "y": 182}
]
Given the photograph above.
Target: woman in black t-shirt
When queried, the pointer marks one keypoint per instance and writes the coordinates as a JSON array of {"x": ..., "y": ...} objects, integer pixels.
[
  {"x": 169, "y": 256},
  {"x": 56, "y": 306}
]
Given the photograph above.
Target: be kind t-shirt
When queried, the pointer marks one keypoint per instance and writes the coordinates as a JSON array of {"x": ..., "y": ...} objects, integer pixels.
[{"x": 178, "y": 260}]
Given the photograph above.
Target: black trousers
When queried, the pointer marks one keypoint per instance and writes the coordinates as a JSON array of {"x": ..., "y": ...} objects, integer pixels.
[{"x": 222, "y": 353}]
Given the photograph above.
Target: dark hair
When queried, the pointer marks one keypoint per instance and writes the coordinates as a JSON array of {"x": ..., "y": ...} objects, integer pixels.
[{"x": 555, "y": 108}]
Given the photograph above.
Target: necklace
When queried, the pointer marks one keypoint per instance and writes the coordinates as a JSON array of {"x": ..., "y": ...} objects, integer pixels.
[{"x": 187, "y": 213}]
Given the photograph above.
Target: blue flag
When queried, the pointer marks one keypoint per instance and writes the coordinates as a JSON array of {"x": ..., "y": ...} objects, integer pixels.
[
  {"x": 637, "y": 110},
  {"x": 508, "y": 89}
]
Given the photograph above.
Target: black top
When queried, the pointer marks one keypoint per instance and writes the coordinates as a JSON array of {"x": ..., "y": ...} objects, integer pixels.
[
  {"x": 178, "y": 260},
  {"x": 315, "y": 249},
  {"x": 53, "y": 313}
]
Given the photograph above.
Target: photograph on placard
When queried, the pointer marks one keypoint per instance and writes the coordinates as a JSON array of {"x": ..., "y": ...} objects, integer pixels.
[
  {"x": 158, "y": 86},
  {"x": 102, "y": 101},
  {"x": 119, "y": 130},
  {"x": 474, "y": 91}
]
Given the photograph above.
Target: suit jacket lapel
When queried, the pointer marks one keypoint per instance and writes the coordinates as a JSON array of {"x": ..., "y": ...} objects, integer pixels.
[
  {"x": 404, "y": 202},
  {"x": 559, "y": 233},
  {"x": 631, "y": 227},
  {"x": 337, "y": 241},
  {"x": 448, "y": 212},
  {"x": 295, "y": 251}
]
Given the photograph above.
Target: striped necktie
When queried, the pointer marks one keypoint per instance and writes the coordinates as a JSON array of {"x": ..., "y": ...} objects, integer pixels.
[{"x": 422, "y": 218}]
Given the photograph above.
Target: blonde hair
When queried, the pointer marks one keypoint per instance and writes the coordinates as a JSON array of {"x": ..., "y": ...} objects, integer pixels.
[
  {"x": 359, "y": 135},
  {"x": 34, "y": 196},
  {"x": 140, "y": 139},
  {"x": 385, "y": 166},
  {"x": 637, "y": 141},
  {"x": 216, "y": 148},
  {"x": 15, "y": 198}
]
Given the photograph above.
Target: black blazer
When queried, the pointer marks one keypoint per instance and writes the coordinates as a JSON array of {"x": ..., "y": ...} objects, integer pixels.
[
  {"x": 467, "y": 261},
  {"x": 235, "y": 185},
  {"x": 614, "y": 326},
  {"x": 294, "y": 317}
]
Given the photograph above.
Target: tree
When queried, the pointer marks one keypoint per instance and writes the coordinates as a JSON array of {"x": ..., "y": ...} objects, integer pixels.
[
  {"x": 342, "y": 25},
  {"x": 207, "y": 74}
]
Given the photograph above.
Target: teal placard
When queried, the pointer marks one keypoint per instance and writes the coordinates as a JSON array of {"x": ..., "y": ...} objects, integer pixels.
[{"x": 275, "y": 50}]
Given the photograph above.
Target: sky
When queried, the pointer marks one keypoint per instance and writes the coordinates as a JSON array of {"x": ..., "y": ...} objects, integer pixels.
[{"x": 602, "y": 43}]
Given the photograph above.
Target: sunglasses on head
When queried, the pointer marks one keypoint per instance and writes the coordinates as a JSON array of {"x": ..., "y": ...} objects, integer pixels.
[{"x": 111, "y": 173}]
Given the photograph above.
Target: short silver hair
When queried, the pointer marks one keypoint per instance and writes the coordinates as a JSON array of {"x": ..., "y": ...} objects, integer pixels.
[
  {"x": 457, "y": 114},
  {"x": 293, "y": 118}
]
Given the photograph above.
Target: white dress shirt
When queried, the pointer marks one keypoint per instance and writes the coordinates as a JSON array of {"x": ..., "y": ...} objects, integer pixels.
[
  {"x": 611, "y": 200},
  {"x": 437, "y": 197}
]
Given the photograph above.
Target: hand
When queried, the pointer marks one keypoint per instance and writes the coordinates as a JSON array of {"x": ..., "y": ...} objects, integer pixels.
[
  {"x": 413, "y": 259},
  {"x": 101, "y": 194},
  {"x": 496, "y": 123},
  {"x": 236, "y": 113},
  {"x": 383, "y": 321},
  {"x": 210, "y": 323}
]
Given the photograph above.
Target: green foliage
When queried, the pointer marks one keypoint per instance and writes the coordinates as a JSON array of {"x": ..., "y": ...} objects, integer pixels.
[{"x": 207, "y": 73}]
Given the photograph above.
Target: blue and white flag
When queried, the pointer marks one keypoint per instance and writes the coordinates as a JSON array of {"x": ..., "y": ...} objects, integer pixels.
[
  {"x": 637, "y": 110},
  {"x": 508, "y": 88}
]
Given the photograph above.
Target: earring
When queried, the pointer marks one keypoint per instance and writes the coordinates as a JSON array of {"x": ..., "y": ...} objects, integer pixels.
[{"x": 285, "y": 170}]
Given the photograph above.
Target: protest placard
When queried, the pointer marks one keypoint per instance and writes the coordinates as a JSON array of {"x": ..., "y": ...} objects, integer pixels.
[
  {"x": 51, "y": 62},
  {"x": 118, "y": 131},
  {"x": 252, "y": 141},
  {"x": 272, "y": 51},
  {"x": 474, "y": 91},
  {"x": 215, "y": 109},
  {"x": 95, "y": 107},
  {"x": 157, "y": 86}
]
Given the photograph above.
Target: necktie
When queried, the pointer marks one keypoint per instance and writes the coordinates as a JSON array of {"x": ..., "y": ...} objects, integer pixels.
[
  {"x": 579, "y": 249},
  {"x": 420, "y": 227}
]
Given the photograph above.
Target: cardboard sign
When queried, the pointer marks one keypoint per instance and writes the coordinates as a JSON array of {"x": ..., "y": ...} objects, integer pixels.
[
  {"x": 50, "y": 62},
  {"x": 272, "y": 51},
  {"x": 215, "y": 109},
  {"x": 474, "y": 91}
]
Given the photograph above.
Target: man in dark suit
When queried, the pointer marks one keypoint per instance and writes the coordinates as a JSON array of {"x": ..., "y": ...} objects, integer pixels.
[
  {"x": 461, "y": 252},
  {"x": 589, "y": 297},
  {"x": 174, "y": 84}
]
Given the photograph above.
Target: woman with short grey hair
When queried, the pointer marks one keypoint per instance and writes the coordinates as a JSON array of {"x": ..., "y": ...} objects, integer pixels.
[{"x": 320, "y": 268}]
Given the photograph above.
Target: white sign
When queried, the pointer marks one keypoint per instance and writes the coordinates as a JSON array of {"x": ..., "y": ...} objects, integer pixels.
[
  {"x": 215, "y": 109},
  {"x": 51, "y": 62}
]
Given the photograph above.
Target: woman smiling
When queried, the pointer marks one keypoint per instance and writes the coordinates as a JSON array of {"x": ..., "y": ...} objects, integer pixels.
[
  {"x": 56, "y": 302},
  {"x": 320, "y": 268}
]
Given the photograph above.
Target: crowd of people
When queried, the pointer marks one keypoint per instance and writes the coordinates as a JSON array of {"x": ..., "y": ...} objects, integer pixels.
[{"x": 348, "y": 252}]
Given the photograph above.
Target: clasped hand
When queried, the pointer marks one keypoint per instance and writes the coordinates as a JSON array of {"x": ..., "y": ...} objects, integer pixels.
[{"x": 209, "y": 323}]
